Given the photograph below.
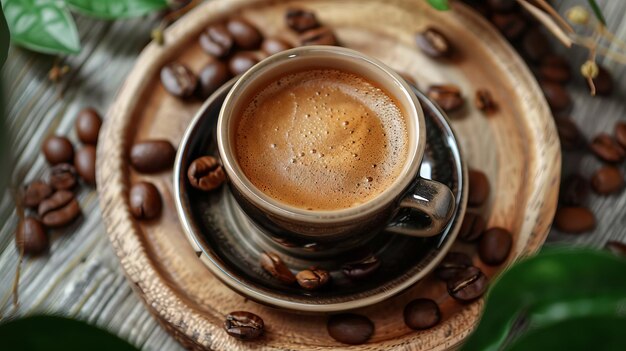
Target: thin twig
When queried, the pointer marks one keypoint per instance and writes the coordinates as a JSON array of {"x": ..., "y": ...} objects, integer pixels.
[
  {"x": 605, "y": 33},
  {"x": 548, "y": 22},
  {"x": 555, "y": 15},
  {"x": 19, "y": 208}
]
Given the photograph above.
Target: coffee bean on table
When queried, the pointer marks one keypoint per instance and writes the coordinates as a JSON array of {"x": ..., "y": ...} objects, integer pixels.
[
  {"x": 58, "y": 149},
  {"x": 607, "y": 149},
  {"x": 273, "y": 46},
  {"x": 318, "y": 36},
  {"x": 63, "y": 177},
  {"x": 349, "y": 328},
  {"x": 468, "y": 285},
  {"x": 145, "y": 201},
  {"x": 31, "y": 237},
  {"x": 87, "y": 125},
  {"x": 495, "y": 246},
  {"x": 620, "y": 134},
  {"x": 36, "y": 192},
  {"x": 205, "y": 173},
  {"x": 570, "y": 136},
  {"x": 472, "y": 227},
  {"x": 607, "y": 180},
  {"x": 452, "y": 264},
  {"x": 557, "y": 96},
  {"x": 151, "y": 156},
  {"x": 447, "y": 96},
  {"x": 421, "y": 314},
  {"x": 274, "y": 265},
  {"x": 574, "y": 220},
  {"x": 300, "y": 20},
  {"x": 312, "y": 279},
  {"x": 574, "y": 190},
  {"x": 535, "y": 44},
  {"x": 178, "y": 80},
  {"x": 433, "y": 43},
  {"x": 555, "y": 68},
  {"x": 241, "y": 62},
  {"x": 59, "y": 209},
  {"x": 85, "y": 163},
  {"x": 603, "y": 82},
  {"x": 216, "y": 40},
  {"x": 511, "y": 25},
  {"x": 478, "y": 185},
  {"x": 362, "y": 268},
  {"x": 246, "y": 36},
  {"x": 244, "y": 325},
  {"x": 484, "y": 101},
  {"x": 616, "y": 247},
  {"x": 211, "y": 77}
]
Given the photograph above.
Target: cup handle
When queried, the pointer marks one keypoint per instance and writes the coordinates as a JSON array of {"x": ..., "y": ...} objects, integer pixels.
[{"x": 432, "y": 199}]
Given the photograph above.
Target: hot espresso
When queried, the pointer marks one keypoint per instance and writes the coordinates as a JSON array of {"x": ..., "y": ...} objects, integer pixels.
[{"x": 322, "y": 140}]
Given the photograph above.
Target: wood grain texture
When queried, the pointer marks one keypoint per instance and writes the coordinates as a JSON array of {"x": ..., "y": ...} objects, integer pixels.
[{"x": 523, "y": 167}]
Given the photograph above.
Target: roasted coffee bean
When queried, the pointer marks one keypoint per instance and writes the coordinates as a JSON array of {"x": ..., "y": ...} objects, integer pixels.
[
  {"x": 620, "y": 134},
  {"x": 57, "y": 150},
  {"x": 433, "y": 43},
  {"x": 349, "y": 328},
  {"x": 87, "y": 125},
  {"x": 301, "y": 20},
  {"x": 63, "y": 177},
  {"x": 511, "y": 25},
  {"x": 502, "y": 5},
  {"x": 216, "y": 40},
  {"x": 555, "y": 68},
  {"x": 452, "y": 264},
  {"x": 361, "y": 269},
  {"x": 31, "y": 237},
  {"x": 273, "y": 46},
  {"x": 495, "y": 246},
  {"x": 484, "y": 101},
  {"x": 468, "y": 285},
  {"x": 312, "y": 279},
  {"x": 607, "y": 149},
  {"x": 318, "y": 36},
  {"x": 151, "y": 156},
  {"x": 447, "y": 96},
  {"x": 472, "y": 227},
  {"x": 574, "y": 220},
  {"x": 36, "y": 192},
  {"x": 178, "y": 80},
  {"x": 535, "y": 44},
  {"x": 574, "y": 190},
  {"x": 275, "y": 266},
  {"x": 421, "y": 314},
  {"x": 607, "y": 180},
  {"x": 603, "y": 82},
  {"x": 558, "y": 98},
  {"x": 246, "y": 36},
  {"x": 145, "y": 200},
  {"x": 85, "y": 163},
  {"x": 478, "y": 185},
  {"x": 570, "y": 136},
  {"x": 241, "y": 62},
  {"x": 211, "y": 77},
  {"x": 205, "y": 173},
  {"x": 244, "y": 325},
  {"x": 616, "y": 247},
  {"x": 59, "y": 209}
]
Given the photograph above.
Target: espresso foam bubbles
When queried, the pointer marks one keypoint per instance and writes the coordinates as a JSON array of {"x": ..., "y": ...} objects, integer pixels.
[{"x": 322, "y": 140}]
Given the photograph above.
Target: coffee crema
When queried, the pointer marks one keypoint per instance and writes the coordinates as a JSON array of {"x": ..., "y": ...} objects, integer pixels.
[{"x": 322, "y": 140}]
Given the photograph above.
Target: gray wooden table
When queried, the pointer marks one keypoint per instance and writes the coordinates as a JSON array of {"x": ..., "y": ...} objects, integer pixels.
[{"x": 81, "y": 276}]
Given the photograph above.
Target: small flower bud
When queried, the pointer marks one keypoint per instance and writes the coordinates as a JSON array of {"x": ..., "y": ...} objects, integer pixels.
[
  {"x": 589, "y": 69},
  {"x": 578, "y": 15}
]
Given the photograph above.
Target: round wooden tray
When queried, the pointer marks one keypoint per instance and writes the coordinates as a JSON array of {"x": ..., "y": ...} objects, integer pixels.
[{"x": 517, "y": 147}]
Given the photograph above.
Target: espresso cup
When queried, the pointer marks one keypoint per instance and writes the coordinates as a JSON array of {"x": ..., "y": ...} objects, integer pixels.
[{"x": 304, "y": 231}]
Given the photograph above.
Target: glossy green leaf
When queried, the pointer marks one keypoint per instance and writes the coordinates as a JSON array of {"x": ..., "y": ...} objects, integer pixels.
[
  {"x": 4, "y": 38},
  {"x": 42, "y": 25},
  {"x": 551, "y": 288},
  {"x": 43, "y": 333},
  {"x": 441, "y": 5},
  {"x": 112, "y": 9}
]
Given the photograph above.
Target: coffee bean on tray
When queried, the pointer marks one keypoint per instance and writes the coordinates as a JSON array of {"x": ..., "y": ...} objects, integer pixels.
[
  {"x": 349, "y": 328},
  {"x": 244, "y": 325},
  {"x": 63, "y": 177},
  {"x": 145, "y": 200},
  {"x": 300, "y": 20},
  {"x": 484, "y": 101},
  {"x": 433, "y": 43},
  {"x": 361, "y": 269},
  {"x": 318, "y": 36},
  {"x": 557, "y": 96},
  {"x": 31, "y": 237},
  {"x": 620, "y": 134},
  {"x": 447, "y": 96},
  {"x": 479, "y": 189},
  {"x": 574, "y": 190},
  {"x": 607, "y": 149},
  {"x": 511, "y": 25},
  {"x": 472, "y": 227},
  {"x": 87, "y": 125},
  {"x": 495, "y": 246},
  {"x": 312, "y": 279},
  {"x": 246, "y": 36},
  {"x": 607, "y": 180},
  {"x": 274, "y": 265},
  {"x": 272, "y": 46},
  {"x": 205, "y": 173},
  {"x": 421, "y": 314},
  {"x": 574, "y": 220},
  {"x": 59, "y": 210},
  {"x": 535, "y": 44},
  {"x": 36, "y": 192},
  {"x": 58, "y": 149},
  {"x": 468, "y": 285},
  {"x": 555, "y": 68},
  {"x": 603, "y": 82},
  {"x": 151, "y": 156},
  {"x": 211, "y": 77},
  {"x": 85, "y": 163},
  {"x": 241, "y": 62},
  {"x": 216, "y": 40},
  {"x": 178, "y": 80},
  {"x": 616, "y": 247},
  {"x": 570, "y": 136},
  {"x": 452, "y": 264}
]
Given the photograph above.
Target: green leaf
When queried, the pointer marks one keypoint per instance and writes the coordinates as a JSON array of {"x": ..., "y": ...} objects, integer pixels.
[
  {"x": 553, "y": 287},
  {"x": 4, "y": 38},
  {"x": 57, "y": 333},
  {"x": 597, "y": 11},
  {"x": 441, "y": 5},
  {"x": 112, "y": 9},
  {"x": 42, "y": 25}
]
